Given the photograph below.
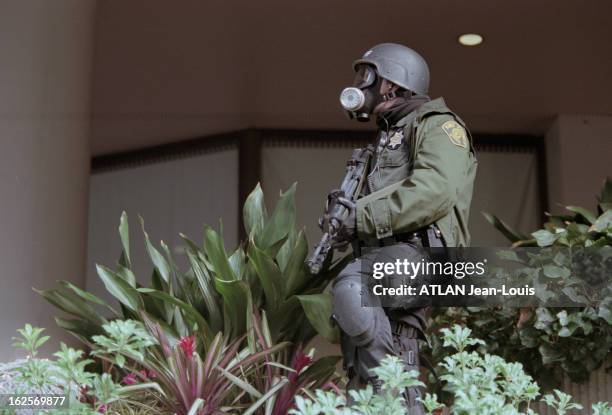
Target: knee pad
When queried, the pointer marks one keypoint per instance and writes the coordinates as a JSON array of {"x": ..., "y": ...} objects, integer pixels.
[{"x": 354, "y": 319}]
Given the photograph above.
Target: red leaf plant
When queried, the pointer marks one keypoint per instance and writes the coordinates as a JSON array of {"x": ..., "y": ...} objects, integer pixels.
[
  {"x": 303, "y": 374},
  {"x": 189, "y": 380}
]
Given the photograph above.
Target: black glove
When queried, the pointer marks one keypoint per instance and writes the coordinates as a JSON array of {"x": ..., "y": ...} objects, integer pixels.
[{"x": 348, "y": 231}]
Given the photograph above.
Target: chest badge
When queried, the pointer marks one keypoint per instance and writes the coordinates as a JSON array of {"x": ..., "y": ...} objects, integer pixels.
[
  {"x": 395, "y": 140},
  {"x": 456, "y": 133}
]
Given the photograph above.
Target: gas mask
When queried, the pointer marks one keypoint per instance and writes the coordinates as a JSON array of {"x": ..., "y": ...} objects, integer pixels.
[{"x": 360, "y": 99}]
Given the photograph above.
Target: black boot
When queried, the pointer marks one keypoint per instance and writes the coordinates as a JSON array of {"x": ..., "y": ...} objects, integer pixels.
[{"x": 406, "y": 347}]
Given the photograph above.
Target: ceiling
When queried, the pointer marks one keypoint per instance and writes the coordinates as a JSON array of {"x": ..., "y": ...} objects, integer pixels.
[{"x": 166, "y": 71}]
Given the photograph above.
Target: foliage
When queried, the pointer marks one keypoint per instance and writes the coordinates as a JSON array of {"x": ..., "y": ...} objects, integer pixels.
[
  {"x": 282, "y": 382},
  {"x": 87, "y": 392},
  {"x": 190, "y": 384},
  {"x": 390, "y": 401},
  {"x": 162, "y": 376},
  {"x": 218, "y": 290},
  {"x": 551, "y": 341},
  {"x": 124, "y": 338},
  {"x": 479, "y": 383}
]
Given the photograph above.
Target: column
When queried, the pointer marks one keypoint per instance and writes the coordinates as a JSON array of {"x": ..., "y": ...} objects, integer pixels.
[{"x": 45, "y": 70}]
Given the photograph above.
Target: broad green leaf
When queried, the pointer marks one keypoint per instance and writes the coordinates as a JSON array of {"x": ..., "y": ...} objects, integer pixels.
[
  {"x": 544, "y": 319},
  {"x": 170, "y": 332},
  {"x": 269, "y": 276},
  {"x": 126, "y": 274},
  {"x": 190, "y": 312},
  {"x": 235, "y": 301},
  {"x": 606, "y": 192},
  {"x": 72, "y": 304},
  {"x": 179, "y": 324},
  {"x": 284, "y": 320},
  {"x": 318, "y": 309},
  {"x": 215, "y": 252},
  {"x": 174, "y": 271},
  {"x": 254, "y": 211},
  {"x": 83, "y": 330},
  {"x": 159, "y": 262},
  {"x": 585, "y": 213},
  {"x": 500, "y": 225},
  {"x": 553, "y": 271},
  {"x": 286, "y": 250},
  {"x": 86, "y": 295},
  {"x": 209, "y": 294},
  {"x": 508, "y": 255},
  {"x": 124, "y": 234},
  {"x": 574, "y": 296},
  {"x": 120, "y": 289},
  {"x": 238, "y": 262},
  {"x": 603, "y": 222},
  {"x": 604, "y": 312},
  {"x": 158, "y": 283},
  {"x": 296, "y": 272},
  {"x": 545, "y": 237},
  {"x": 281, "y": 222},
  {"x": 320, "y": 371}
]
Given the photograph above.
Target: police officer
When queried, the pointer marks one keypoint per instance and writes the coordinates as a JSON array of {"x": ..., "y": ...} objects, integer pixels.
[{"x": 418, "y": 194}]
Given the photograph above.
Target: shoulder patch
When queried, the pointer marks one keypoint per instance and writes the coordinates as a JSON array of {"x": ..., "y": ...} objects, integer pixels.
[{"x": 456, "y": 133}]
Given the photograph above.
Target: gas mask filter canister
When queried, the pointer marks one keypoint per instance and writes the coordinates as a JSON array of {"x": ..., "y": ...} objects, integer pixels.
[
  {"x": 352, "y": 98},
  {"x": 358, "y": 99}
]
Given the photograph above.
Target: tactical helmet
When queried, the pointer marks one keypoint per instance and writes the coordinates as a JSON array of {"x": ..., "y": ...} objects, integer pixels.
[{"x": 398, "y": 64}]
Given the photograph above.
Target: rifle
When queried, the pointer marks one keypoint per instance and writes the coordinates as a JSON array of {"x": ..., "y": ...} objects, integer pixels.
[{"x": 335, "y": 213}]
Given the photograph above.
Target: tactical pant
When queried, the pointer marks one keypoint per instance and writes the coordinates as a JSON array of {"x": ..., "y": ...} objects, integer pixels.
[{"x": 370, "y": 331}]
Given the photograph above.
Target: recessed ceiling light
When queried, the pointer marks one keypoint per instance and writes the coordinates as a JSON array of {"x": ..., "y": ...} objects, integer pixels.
[{"x": 470, "y": 39}]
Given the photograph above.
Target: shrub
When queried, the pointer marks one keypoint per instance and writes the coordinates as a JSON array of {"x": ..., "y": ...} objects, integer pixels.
[
  {"x": 479, "y": 383},
  {"x": 553, "y": 341}
]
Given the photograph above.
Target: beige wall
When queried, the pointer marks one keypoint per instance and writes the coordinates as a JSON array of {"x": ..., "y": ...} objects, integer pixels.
[
  {"x": 174, "y": 196},
  {"x": 44, "y": 156},
  {"x": 579, "y": 158}
]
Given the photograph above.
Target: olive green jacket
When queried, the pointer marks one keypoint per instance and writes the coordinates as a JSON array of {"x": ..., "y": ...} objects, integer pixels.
[{"x": 423, "y": 175}]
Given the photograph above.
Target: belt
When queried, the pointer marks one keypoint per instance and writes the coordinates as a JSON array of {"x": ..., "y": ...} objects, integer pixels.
[
  {"x": 402, "y": 329},
  {"x": 409, "y": 237},
  {"x": 429, "y": 236}
]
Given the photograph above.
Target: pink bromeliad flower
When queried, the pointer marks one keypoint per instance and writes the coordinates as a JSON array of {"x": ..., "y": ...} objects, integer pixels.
[
  {"x": 300, "y": 361},
  {"x": 146, "y": 375},
  {"x": 188, "y": 345},
  {"x": 130, "y": 379},
  {"x": 102, "y": 409}
]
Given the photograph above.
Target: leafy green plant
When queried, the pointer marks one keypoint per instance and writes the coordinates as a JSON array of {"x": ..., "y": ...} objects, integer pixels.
[
  {"x": 479, "y": 383},
  {"x": 125, "y": 337},
  {"x": 218, "y": 290},
  {"x": 389, "y": 400},
  {"x": 576, "y": 257},
  {"x": 34, "y": 373},
  {"x": 562, "y": 402},
  {"x": 87, "y": 392}
]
